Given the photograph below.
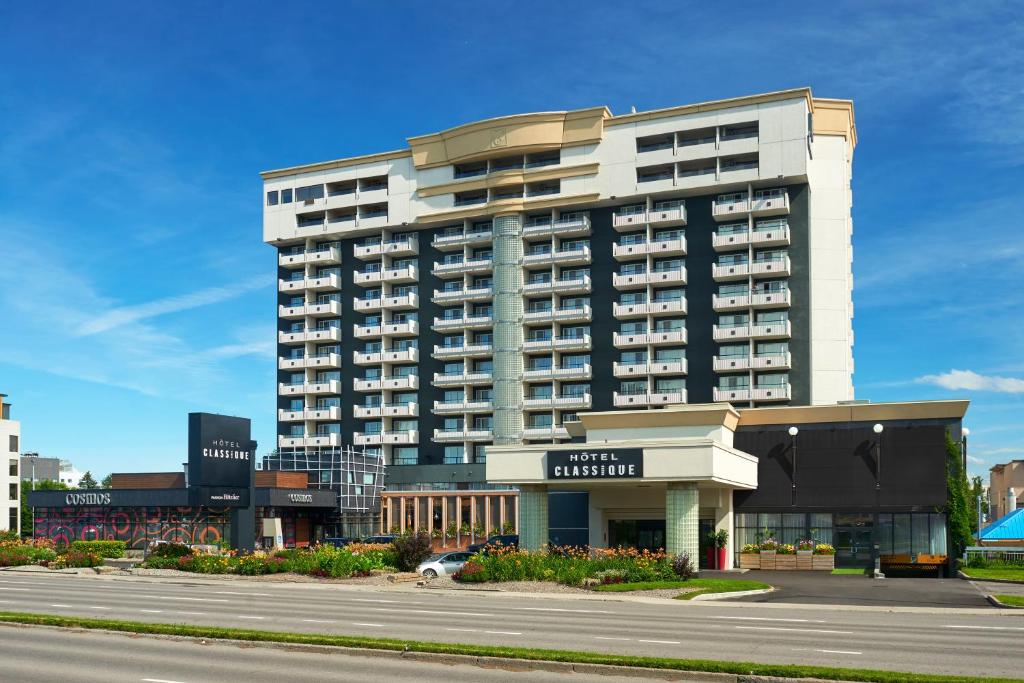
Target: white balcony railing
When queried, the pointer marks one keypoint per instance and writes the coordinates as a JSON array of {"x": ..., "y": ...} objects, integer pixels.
[
  {"x": 675, "y": 247},
  {"x": 560, "y": 402},
  {"x": 330, "y": 387},
  {"x": 654, "y": 398},
  {"x": 649, "y": 308},
  {"x": 386, "y": 438},
  {"x": 442, "y": 379},
  {"x": 460, "y": 435},
  {"x": 465, "y": 351},
  {"x": 409, "y": 355},
  {"x": 442, "y": 296},
  {"x": 654, "y": 367},
  {"x": 467, "y": 406},
  {"x": 408, "y": 246},
  {"x": 314, "y": 335},
  {"x": 575, "y": 343},
  {"x": 551, "y": 432},
  {"x": 627, "y": 339}
]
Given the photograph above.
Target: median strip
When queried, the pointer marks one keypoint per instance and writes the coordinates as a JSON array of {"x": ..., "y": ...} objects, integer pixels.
[{"x": 483, "y": 651}]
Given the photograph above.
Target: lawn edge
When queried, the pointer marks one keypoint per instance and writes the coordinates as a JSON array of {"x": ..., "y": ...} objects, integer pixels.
[
  {"x": 485, "y": 655},
  {"x": 960, "y": 573}
]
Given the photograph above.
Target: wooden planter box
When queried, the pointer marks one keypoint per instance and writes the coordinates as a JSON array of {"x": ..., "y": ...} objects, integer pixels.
[
  {"x": 804, "y": 559},
  {"x": 785, "y": 562},
  {"x": 767, "y": 559},
  {"x": 824, "y": 562},
  {"x": 750, "y": 561}
]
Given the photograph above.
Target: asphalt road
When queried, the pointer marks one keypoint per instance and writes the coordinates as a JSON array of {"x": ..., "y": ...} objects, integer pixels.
[
  {"x": 58, "y": 656},
  {"x": 968, "y": 642}
]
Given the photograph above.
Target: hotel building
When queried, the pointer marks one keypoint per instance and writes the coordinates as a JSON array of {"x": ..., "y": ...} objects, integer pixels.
[
  {"x": 10, "y": 497},
  {"x": 488, "y": 282}
]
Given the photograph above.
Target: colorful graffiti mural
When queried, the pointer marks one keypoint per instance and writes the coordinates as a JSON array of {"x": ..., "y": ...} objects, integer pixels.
[{"x": 137, "y": 526}]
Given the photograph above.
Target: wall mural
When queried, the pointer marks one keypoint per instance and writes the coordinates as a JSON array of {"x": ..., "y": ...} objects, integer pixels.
[{"x": 135, "y": 525}]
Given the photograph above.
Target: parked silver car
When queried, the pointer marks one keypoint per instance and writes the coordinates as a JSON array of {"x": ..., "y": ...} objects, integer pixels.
[{"x": 443, "y": 565}]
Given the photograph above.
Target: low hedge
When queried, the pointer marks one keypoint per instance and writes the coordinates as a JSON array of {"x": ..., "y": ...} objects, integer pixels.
[{"x": 107, "y": 549}]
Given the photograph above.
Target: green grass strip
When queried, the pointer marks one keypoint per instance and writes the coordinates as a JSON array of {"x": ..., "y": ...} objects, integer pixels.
[
  {"x": 535, "y": 654},
  {"x": 1014, "y": 600},
  {"x": 1004, "y": 573},
  {"x": 843, "y": 571},
  {"x": 721, "y": 586}
]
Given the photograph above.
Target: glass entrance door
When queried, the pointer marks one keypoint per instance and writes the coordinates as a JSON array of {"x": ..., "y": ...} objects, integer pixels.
[
  {"x": 854, "y": 539},
  {"x": 642, "y": 534}
]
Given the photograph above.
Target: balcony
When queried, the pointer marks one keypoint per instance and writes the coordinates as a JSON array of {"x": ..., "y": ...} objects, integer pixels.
[
  {"x": 626, "y": 220},
  {"x": 291, "y": 312},
  {"x": 330, "y": 387},
  {"x": 579, "y": 285},
  {"x": 731, "y": 363},
  {"x": 457, "y": 407},
  {"x": 479, "y": 237},
  {"x": 656, "y": 398},
  {"x": 327, "y": 256},
  {"x": 624, "y": 340},
  {"x": 580, "y": 402},
  {"x": 326, "y": 360},
  {"x": 404, "y": 356},
  {"x": 442, "y": 296},
  {"x": 731, "y": 395},
  {"x": 565, "y": 226},
  {"x": 445, "y": 379},
  {"x": 727, "y": 241},
  {"x": 409, "y": 409},
  {"x": 390, "y": 275},
  {"x": 324, "y": 335},
  {"x": 578, "y": 256},
  {"x": 775, "y": 330},
  {"x": 676, "y": 247},
  {"x": 546, "y": 433},
  {"x": 371, "y": 331},
  {"x": 775, "y": 392},
  {"x": 649, "y": 308},
  {"x": 576, "y": 343},
  {"x": 471, "y": 266},
  {"x": 386, "y": 438},
  {"x": 730, "y": 208},
  {"x": 771, "y": 299},
  {"x": 770, "y": 203},
  {"x": 460, "y": 435},
  {"x": 722, "y": 272},
  {"x": 771, "y": 361},
  {"x": 316, "y": 284},
  {"x": 773, "y": 267},
  {"x": 386, "y": 383},
  {"x": 407, "y": 246},
  {"x": 575, "y": 372},
  {"x": 309, "y": 441},
  {"x": 466, "y": 323},
  {"x": 564, "y": 315},
  {"x": 629, "y": 218},
  {"x": 466, "y": 351},
  {"x": 655, "y": 367},
  {"x": 675, "y": 276},
  {"x": 333, "y": 413},
  {"x": 774, "y": 237}
]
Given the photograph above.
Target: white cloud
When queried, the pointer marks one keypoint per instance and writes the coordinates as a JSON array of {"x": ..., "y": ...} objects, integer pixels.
[
  {"x": 956, "y": 380},
  {"x": 975, "y": 461}
]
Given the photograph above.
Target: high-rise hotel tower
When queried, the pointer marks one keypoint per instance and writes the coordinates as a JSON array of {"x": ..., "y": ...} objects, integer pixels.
[{"x": 488, "y": 282}]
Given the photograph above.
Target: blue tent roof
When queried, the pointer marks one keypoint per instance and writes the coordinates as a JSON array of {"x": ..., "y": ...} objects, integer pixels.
[{"x": 1006, "y": 528}]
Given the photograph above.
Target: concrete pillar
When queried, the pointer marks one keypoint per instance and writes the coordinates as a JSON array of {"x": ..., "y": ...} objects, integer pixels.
[
  {"x": 682, "y": 510},
  {"x": 508, "y": 329},
  {"x": 533, "y": 516}
]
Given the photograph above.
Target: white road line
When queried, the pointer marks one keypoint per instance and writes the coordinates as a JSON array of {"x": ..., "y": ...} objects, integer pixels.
[
  {"x": 793, "y": 630},
  {"x": 262, "y": 595},
  {"x": 196, "y": 614},
  {"x": 660, "y": 642},
  {"x": 432, "y": 611},
  {"x": 59, "y": 605},
  {"x": 152, "y": 611},
  {"x": 23, "y": 590},
  {"x": 831, "y": 652},
  {"x": 464, "y": 630},
  {"x": 97, "y": 607},
  {"x": 363, "y": 623},
  {"x": 402, "y": 602},
  {"x": 803, "y": 621},
  {"x": 988, "y": 628},
  {"x": 159, "y": 680},
  {"x": 609, "y": 638},
  {"x": 242, "y": 616},
  {"x": 320, "y": 621},
  {"x": 177, "y": 597},
  {"x": 504, "y": 633},
  {"x": 561, "y": 609}
]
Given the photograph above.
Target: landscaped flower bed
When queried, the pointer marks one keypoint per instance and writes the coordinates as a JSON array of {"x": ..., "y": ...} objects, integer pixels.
[
  {"x": 15, "y": 552},
  {"x": 358, "y": 559},
  {"x": 576, "y": 566}
]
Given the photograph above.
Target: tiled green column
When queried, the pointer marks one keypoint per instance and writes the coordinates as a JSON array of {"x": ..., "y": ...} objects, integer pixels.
[
  {"x": 508, "y": 329},
  {"x": 533, "y": 516},
  {"x": 681, "y": 513}
]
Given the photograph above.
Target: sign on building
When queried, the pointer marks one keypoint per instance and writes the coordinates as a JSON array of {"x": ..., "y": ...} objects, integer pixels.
[
  {"x": 221, "y": 460},
  {"x": 595, "y": 463}
]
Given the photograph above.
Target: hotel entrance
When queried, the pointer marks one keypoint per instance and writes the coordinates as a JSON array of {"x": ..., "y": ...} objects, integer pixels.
[
  {"x": 853, "y": 536},
  {"x": 642, "y": 534}
]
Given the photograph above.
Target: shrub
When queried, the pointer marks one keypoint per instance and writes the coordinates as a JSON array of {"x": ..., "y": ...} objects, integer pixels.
[
  {"x": 824, "y": 549},
  {"x": 9, "y": 536},
  {"x": 608, "y": 576},
  {"x": 15, "y": 553},
  {"x": 170, "y": 550},
  {"x": 682, "y": 566},
  {"x": 109, "y": 549},
  {"x": 751, "y": 548},
  {"x": 411, "y": 550},
  {"x": 786, "y": 549},
  {"x": 77, "y": 558},
  {"x": 472, "y": 572}
]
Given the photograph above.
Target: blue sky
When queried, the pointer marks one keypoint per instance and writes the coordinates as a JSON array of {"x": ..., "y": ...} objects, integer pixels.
[{"x": 134, "y": 286}]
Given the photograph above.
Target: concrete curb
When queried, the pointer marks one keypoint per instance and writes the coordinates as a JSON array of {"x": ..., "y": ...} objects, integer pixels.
[
  {"x": 966, "y": 577},
  {"x": 996, "y": 602},
  {"x": 503, "y": 663},
  {"x": 704, "y": 597}
]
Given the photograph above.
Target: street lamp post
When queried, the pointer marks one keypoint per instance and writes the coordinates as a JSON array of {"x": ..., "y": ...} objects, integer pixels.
[
  {"x": 793, "y": 431},
  {"x": 877, "y": 429}
]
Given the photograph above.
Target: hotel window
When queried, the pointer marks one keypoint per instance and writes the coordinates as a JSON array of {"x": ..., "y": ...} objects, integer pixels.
[
  {"x": 575, "y": 390},
  {"x": 295, "y": 430},
  {"x": 483, "y": 366},
  {"x": 372, "y": 401},
  {"x": 272, "y": 198},
  {"x": 404, "y": 371},
  {"x": 451, "y": 286},
  {"x": 538, "y": 249},
  {"x": 668, "y": 264},
  {"x": 539, "y": 420},
  {"x": 771, "y": 317},
  {"x": 483, "y": 254},
  {"x": 405, "y": 344},
  {"x": 540, "y": 363},
  {"x": 483, "y": 423},
  {"x": 633, "y": 269},
  {"x": 328, "y": 402},
  {"x": 733, "y": 351},
  {"x": 734, "y": 382},
  {"x": 480, "y": 338},
  {"x": 669, "y": 386},
  {"x": 669, "y": 355},
  {"x": 452, "y": 341},
  {"x": 286, "y": 196},
  {"x": 667, "y": 235},
  {"x": 483, "y": 282},
  {"x": 309, "y": 193},
  {"x": 633, "y": 327},
  {"x": 404, "y": 426},
  {"x": 632, "y": 298},
  {"x": 295, "y": 405},
  {"x": 575, "y": 360},
  {"x": 770, "y": 225},
  {"x": 454, "y": 396},
  {"x": 482, "y": 310},
  {"x": 539, "y": 334},
  {"x": 573, "y": 274},
  {"x": 540, "y": 391},
  {"x": 737, "y": 259},
  {"x": 404, "y": 398},
  {"x": 734, "y": 320},
  {"x": 328, "y": 429},
  {"x": 538, "y": 305},
  {"x": 453, "y": 368},
  {"x": 483, "y": 394},
  {"x": 454, "y": 455},
  {"x": 737, "y": 289},
  {"x": 770, "y": 348},
  {"x": 404, "y": 455},
  {"x": 574, "y": 245},
  {"x": 13, "y": 471},
  {"x": 575, "y": 332},
  {"x": 669, "y": 324},
  {"x": 732, "y": 229},
  {"x": 633, "y": 387},
  {"x": 772, "y": 380},
  {"x": 479, "y": 453},
  {"x": 632, "y": 357},
  {"x": 375, "y": 427},
  {"x": 538, "y": 277}
]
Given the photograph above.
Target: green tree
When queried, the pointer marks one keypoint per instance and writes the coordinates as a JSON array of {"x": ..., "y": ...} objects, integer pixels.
[
  {"x": 87, "y": 481},
  {"x": 26, "y": 509},
  {"x": 959, "y": 504},
  {"x": 978, "y": 491},
  {"x": 107, "y": 481}
]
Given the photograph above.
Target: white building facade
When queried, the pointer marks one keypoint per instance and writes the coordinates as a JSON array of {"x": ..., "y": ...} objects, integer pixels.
[{"x": 10, "y": 443}]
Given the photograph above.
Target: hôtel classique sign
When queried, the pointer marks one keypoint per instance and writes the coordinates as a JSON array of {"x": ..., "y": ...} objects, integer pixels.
[{"x": 595, "y": 463}]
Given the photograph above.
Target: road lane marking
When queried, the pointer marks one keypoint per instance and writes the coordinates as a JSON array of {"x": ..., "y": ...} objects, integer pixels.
[
  {"x": 432, "y": 611},
  {"x": 178, "y": 597},
  {"x": 97, "y": 607},
  {"x": 988, "y": 628},
  {"x": 562, "y": 609},
  {"x": 262, "y": 595},
  {"x": 660, "y": 642},
  {"x": 831, "y": 652},
  {"x": 802, "y": 621},
  {"x": 610, "y": 638},
  {"x": 152, "y": 611},
  {"x": 363, "y": 623},
  {"x": 195, "y": 614},
  {"x": 242, "y": 616},
  {"x": 159, "y": 680},
  {"x": 463, "y": 630},
  {"x": 504, "y": 633},
  {"x": 794, "y": 630},
  {"x": 59, "y": 605},
  {"x": 320, "y": 621},
  {"x": 402, "y": 602},
  {"x": 23, "y": 590}
]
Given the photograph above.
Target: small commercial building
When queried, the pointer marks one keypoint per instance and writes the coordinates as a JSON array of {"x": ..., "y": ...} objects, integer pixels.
[
  {"x": 1006, "y": 488},
  {"x": 10, "y": 487},
  {"x": 853, "y": 475}
]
